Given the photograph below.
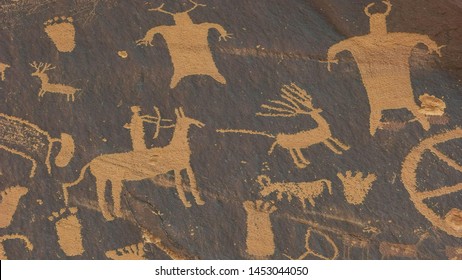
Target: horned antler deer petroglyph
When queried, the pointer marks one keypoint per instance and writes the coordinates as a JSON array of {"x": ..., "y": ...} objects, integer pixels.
[
  {"x": 296, "y": 101},
  {"x": 188, "y": 45},
  {"x": 144, "y": 164},
  {"x": 383, "y": 61},
  {"x": 3, "y": 68},
  {"x": 41, "y": 68}
]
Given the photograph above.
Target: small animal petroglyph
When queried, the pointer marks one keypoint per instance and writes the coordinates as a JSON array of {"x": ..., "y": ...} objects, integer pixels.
[
  {"x": 260, "y": 236},
  {"x": 356, "y": 186},
  {"x": 296, "y": 101},
  {"x": 312, "y": 252},
  {"x": 144, "y": 164},
  {"x": 9, "y": 203},
  {"x": 69, "y": 231},
  {"x": 131, "y": 252},
  {"x": 188, "y": 45},
  {"x": 3, "y": 68},
  {"x": 303, "y": 191},
  {"x": 27, "y": 243},
  {"x": 432, "y": 105},
  {"x": 28, "y": 141},
  {"x": 383, "y": 60},
  {"x": 61, "y": 31},
  {"x": 66, "y": 90}
]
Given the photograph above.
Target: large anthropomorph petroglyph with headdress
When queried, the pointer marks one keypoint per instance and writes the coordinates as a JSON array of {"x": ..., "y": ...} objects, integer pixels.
[{"x": 383, "y": 60}]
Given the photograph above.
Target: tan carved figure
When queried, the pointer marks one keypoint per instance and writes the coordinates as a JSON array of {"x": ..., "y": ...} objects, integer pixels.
[
  {"x": 131, "y": 252},
  {"x": 303, "y": 191},
  {"x": 451, "y": 223},
  {"x": 356, "y": 186},
  {"x": 9, "y": 203},
  {"x": 28, "y": 244},
  {"x": 312, "y": 252},
  {"x": 296, "y": 101},
  {"x": 431, "y": 105},
  {"x": 40, "y": 69},
  {"x": 383, "y": 60},
  {"x": 3, "y": 68},
  {"x": 28, "y": 141},
  {"x": 69, "y": 231},
  {"x": 145, "y": 164},
  {"x": 188, "y": 45},
  {"x": 260, "y": 236},
  {"x": 61, "y": 31}
]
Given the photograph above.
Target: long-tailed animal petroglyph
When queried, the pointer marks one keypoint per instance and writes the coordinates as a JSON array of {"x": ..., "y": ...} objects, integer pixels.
[
  {"x": 69, "y": 231},
  {"x": 296, "y": 101},
  {"x": 383, "y": 60},
  {"x": 131, "y": 252},
  {"x": 260, "y": 236},
  {"x": 356, "y": 186},
  {"x": 28, "y": 141},
  {"x": 452, "y": 221},
  {"x": 40, "y": 69},
  {"x": 27, "y": 243},
  {"x": 61, "y": 31},
  {"x": 136, "y": 127},
  {"x": 9, "y": 203},
  {"x": 144, "y": 164},
  {"x": 312, "y": 252},
  {"x": 3, "y": 68},
  {"x": 188, "y": 45},
  {"x": 303, "y": 191}
]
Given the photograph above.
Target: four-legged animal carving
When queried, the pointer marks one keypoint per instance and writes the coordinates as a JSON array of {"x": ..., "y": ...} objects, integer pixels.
[{"x": 144, "y": 164}]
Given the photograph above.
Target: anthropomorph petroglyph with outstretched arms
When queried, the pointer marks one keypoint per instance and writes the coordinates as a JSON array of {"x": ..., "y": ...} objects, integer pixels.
[
  {"x": 383, "y": 60},
  {"x": 188, "y": 45}
]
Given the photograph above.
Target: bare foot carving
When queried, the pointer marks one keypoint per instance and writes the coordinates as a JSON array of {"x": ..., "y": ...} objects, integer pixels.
[
  {"x": 131, "y": 252},
  {"x": 61, "y": 31},
  {"x": 260, "y": 237},
  {"x": 357, "y": 186},
  {"x": 9, "y": 204},
  {"x": 69, "y": 231}
]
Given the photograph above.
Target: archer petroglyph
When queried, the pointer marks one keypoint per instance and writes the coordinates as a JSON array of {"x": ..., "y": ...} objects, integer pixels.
[
  {"x": 296, "y": 101},
  {"x": 383, "y": 61},
  {"x": 144, "y": 164},
  {"x": 188, "y": 45}
]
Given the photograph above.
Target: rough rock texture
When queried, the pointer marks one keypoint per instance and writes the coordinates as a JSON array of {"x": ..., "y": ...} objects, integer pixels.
[{"x": 336, "y": 190}]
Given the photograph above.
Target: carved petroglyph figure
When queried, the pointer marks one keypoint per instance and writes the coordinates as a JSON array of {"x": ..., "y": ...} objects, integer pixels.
[
  {"x": 27, "y": 243},
  {"x": 260, "y": 236},
  {"x": 356, "y": 186},
  {"x": 303, "y": 191},
  {"x": 61, "y": 31},
  {"x": 27, "y": 140},
  {"x": 136, "y": 127},
  {"x": 188, "y": 45},
  {"x": 383, "y": 60},
  {"x": 145, "y": 164},
  {"x": 9, "y": 203},
  {"x": 131, "y": 252},
  {"x": 66, "y": 90},
  {"x": 312, "y": 252},
  {"x": 452, "y": 221},
  {"x": 431, "y": 105},
  {"x": 69, "y": 231},
  {"x": 3, "y": 68},
  {"x": 296, "y": 101}
]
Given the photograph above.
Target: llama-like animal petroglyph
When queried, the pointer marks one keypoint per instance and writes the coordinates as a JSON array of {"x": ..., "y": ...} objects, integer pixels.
[
  {"x": 27, "y": 243},
  {"x": 69, "y": 231},
  {"x": 9, "y": 204},
  {"x": 28, "y": 141},
  {"x": 296, "y": 101},
  {"x": 383, "y": 61},
  {"x": 3, "y": 68},
  {"x": 188, "y": 45},
  {"x": 144, "y": 164},
  {"x": 356, "y": 186},
  {"x": 451, "y": 223},
  {"x": 40, "y": 69},
  {"x": 311, "y": 252},
  {"x": 61, "y": 31},
  {"x": 260, "y": 236},
  {"x": 131, "y": 252},
  {"x": 303, "y": 191}
]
